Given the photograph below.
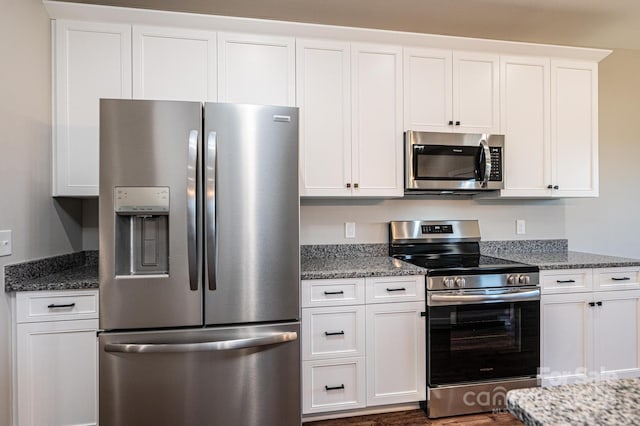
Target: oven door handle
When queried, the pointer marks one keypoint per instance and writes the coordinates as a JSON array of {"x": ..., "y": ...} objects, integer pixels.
[{"x": 463, "y": 299}]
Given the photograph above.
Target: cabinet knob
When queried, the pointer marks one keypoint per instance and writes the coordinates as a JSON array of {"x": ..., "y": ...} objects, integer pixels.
[
  {"x": 450, "y": 122},
  {"x": 356, "y": 186},
  {"x": 348, "y": 185},
  {"x": 457, "y": 123},
  {"x": 549, "y": 186},
  {"x": 556, "y": 187}
]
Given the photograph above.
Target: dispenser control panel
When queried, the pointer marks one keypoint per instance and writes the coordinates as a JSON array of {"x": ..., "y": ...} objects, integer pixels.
[{"x": 141, "y": 200}]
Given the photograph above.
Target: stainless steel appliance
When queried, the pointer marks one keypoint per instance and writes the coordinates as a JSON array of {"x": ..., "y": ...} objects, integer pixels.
[
  {"x": 199, "y": 264},
  {"x": 483, "y": 317},
  {"x": 453, "y": 162}
]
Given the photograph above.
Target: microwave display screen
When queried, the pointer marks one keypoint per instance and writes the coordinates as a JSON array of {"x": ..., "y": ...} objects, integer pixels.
[{"x": 445, "y": 162}]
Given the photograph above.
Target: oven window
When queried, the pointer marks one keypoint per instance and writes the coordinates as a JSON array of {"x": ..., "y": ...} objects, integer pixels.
[
  {"x": 476, "y": 342},
  {"x": 498, "y": 328},
  {"x": 444, "y": 162}
]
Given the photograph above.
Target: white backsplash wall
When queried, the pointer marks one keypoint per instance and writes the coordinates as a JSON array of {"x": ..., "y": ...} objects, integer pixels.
[{"x": 322, "y": 221}]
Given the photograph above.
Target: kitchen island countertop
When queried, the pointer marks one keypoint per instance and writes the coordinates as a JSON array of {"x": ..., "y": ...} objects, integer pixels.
[{"x": 612, "y": 402}]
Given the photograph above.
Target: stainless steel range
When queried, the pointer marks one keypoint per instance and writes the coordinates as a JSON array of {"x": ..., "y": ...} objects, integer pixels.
[{"x": 483, "y": 317}]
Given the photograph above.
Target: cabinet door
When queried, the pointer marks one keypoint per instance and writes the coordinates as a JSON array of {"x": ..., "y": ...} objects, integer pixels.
[
  {"x": 525, "y": 87},
  {"x": 574, "y": 128},
  {"x": 323, "y": 82},
  {"x": 174, "y": 64},
  {"x": 255, "y": 69},
  {"x": 476, "y": 93},
  {"x": 617, "y": 334},
  {"x": 57, "y": 373},
  {"x": 428, "y": 90},
  {"x": 377, "y": 141},
  {"x": 395, "y": 345},
  {"x": 91, "y": 61},
  {"x": 567, "y": 338}
]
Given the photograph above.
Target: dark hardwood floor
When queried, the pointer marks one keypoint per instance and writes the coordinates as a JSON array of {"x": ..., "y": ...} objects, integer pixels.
[{"x": 418, "y": 417}]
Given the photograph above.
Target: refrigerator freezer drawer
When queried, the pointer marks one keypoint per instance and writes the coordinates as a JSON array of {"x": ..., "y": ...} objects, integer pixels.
[{"x": 210, "y": 376}]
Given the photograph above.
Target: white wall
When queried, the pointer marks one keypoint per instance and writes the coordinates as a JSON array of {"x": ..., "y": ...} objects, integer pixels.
[
  {"x": 322, "y": 222},
  {"x": 41, "y": 226},
  {"x": 609, "y": 224}
]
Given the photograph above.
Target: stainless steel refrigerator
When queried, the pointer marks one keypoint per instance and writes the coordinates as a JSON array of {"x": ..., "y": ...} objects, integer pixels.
[{"x": 199, "y": 264}]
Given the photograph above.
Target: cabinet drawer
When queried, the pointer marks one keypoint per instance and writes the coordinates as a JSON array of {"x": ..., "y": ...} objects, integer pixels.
[
  {"x": 566, "y": 281},
  {"x": 332, "y": 292},
  {"x": 35, "y": 306},
  {"x": 394, "y": 289},
  {"x": 333, "y": 332},
  {"x": 616, "y": 278},
  {"x": 333, "y": 385}
]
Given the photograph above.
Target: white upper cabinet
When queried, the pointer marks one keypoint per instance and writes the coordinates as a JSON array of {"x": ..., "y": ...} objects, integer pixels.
[
  {"x": 526, "y": 115},
  {"x": 256, "y": 69},
  {"x": 377, "y": 151},
  {"x": 574, "y": 128},
  {"x": 350, "y": 101},
  {"x": 91, "y": 61},
  {"x": 447, "y": 91},
  {"x": 174, "y": 64},
  {"x": 323, "y": 82},
  {"x": 549, "y": 118}
]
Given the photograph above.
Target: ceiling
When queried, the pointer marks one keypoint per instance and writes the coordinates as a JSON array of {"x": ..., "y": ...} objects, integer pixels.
[{"x": 588, "y": 23}]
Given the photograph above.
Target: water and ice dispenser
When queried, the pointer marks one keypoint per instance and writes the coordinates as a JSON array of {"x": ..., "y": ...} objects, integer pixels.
[{"x": 142, "y": 230}]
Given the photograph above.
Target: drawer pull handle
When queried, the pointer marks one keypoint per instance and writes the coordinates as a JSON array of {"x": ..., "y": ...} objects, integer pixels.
[
  {"x": 53, "y": 306},
  {"x": 328, "y": 388},
  {"x": 396, "y": 289},
  {"x": 334, "y": 333},
  {"x": 327, "y": 293},
  {"x": 620, "y": 279},
  {"x": 565, "y": 281}
]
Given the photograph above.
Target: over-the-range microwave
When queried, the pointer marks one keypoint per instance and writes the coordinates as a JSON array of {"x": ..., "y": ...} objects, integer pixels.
[{"x": 441, "y": 163}]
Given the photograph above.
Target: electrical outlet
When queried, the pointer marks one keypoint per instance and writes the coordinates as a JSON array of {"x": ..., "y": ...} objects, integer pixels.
[
  {"x": 5, "y": 243},
  {"x": 520, "y": 226},
  {"x": 349, "y": 229}
]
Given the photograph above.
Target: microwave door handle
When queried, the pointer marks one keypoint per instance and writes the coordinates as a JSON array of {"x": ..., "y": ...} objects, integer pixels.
[
  {"x": 192, "y": 241},
  {"x": 486, "y": 159},
  {"x": 210, "y": 208}
]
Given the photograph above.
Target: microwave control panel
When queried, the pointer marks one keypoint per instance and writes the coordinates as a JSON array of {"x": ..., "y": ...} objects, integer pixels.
[{"x": 496, "y": 163}]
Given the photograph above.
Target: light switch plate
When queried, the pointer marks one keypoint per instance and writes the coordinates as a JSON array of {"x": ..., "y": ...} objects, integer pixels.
[
  {"x": 5, "y": 243},
  {"x": 520, "y": 227}
]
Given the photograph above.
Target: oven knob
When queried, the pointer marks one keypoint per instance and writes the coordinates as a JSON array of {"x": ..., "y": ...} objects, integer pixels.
[
  {"x": 524, "y": 279},
  {"x": 460, "y": 282},
  {"x": 512, "y": 279},
  {"x": 448, "y": 282}
]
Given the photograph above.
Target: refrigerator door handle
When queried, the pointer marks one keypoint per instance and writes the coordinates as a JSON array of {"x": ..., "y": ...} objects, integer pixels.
[
  {"x": 192, "y": 242},
  {"x": 210, "y": 203},
  {"x": 225, "y": 345}
]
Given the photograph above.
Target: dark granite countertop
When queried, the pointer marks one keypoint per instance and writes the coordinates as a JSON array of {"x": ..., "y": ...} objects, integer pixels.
[
  {"x": 568, "y": 260},
  {"x": 65, "y": 272},
  {"x": 358, "y": 267},
  {"x": 613, "y": 402},
  {"x": 84, "y": 277}
]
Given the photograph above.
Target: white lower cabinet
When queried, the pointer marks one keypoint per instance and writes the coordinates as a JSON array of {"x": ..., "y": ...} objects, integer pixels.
[
  {"x": 587, "y": 333},
  {"x": 395, "y": 353},
  {"x": 363, "y": 343},
  {"x": 56, "y": 358}
]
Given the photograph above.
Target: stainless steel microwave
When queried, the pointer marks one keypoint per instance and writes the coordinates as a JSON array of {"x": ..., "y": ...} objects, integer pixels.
[{"x": 453, "y": 162}]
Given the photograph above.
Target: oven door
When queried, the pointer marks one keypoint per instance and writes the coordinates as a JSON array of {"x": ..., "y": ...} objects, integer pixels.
[{"x": 483, "y": 337}]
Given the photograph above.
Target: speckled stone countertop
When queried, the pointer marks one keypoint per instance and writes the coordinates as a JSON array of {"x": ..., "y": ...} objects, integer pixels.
[
  {"x": 614, "y": 402},
  {"x": 568, "y": 260},
  {"x": 66, "y": 272},
  {"x": 357, "y": 267}
]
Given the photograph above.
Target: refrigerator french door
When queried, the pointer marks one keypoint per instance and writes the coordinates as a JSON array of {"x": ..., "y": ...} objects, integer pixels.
[{"x": 199, "y": 264}]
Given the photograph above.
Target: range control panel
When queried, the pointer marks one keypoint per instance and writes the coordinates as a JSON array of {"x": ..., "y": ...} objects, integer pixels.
[{"x": 437, "y": 229}]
